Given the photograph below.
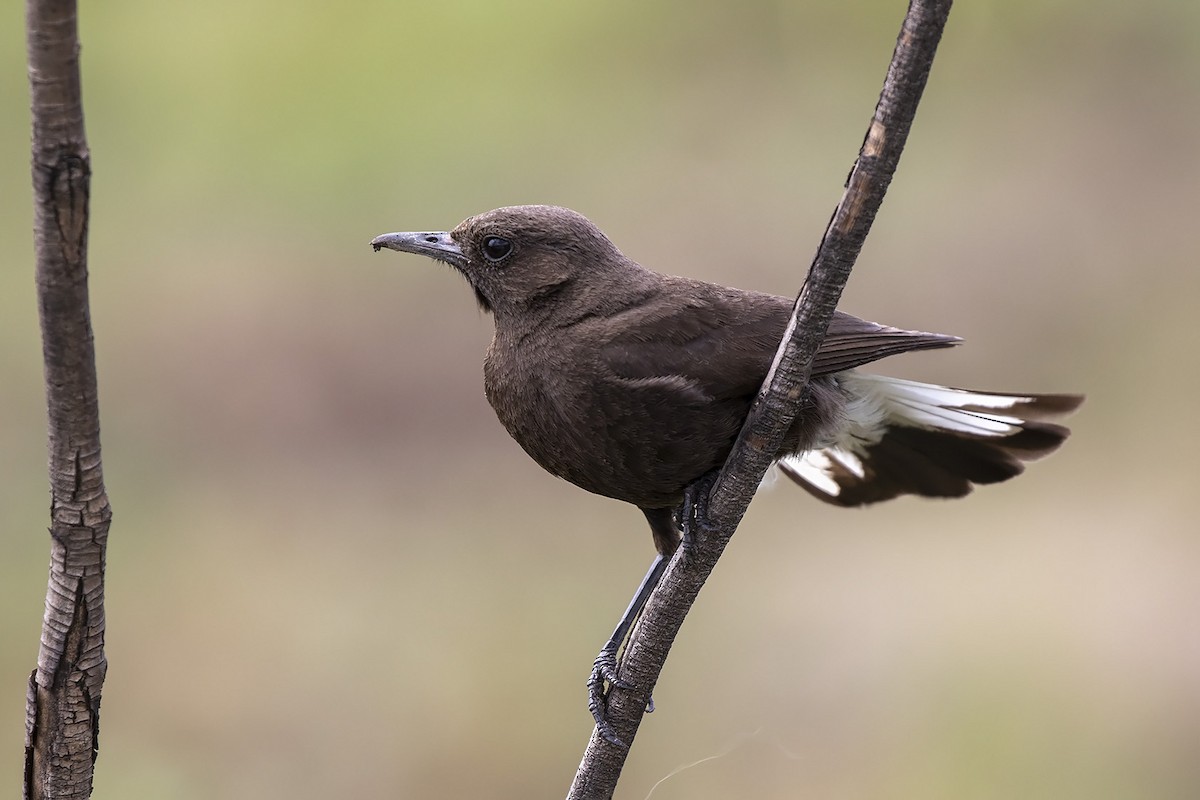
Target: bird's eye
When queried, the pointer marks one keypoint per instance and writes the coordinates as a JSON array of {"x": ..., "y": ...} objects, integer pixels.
[{"x": 496, "y": 248}]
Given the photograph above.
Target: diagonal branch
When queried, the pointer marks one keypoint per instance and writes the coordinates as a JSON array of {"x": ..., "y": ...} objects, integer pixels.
[
  {"x": 63, "y": 700},
  {"x": 779, "y": 399}
]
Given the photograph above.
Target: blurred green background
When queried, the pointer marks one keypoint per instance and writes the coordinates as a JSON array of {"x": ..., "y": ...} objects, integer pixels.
[{"x": 331, "y": 573}]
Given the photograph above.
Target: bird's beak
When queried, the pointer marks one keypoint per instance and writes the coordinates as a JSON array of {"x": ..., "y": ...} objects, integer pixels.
[{"x": 438, "y": 245}]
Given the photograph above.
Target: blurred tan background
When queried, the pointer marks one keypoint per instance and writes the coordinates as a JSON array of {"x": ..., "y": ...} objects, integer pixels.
[{"x": 332, "y": 574}]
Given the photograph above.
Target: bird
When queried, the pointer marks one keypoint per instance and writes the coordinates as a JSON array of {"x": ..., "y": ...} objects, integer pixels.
[{"x": 633, "y": 384}]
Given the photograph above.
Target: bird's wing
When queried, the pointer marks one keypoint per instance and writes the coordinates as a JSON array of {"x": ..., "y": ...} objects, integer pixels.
[
  {"x": 722, "y": 341},
  {"x": 852, "y": 342},
  {"x": 719, "y": 349}
]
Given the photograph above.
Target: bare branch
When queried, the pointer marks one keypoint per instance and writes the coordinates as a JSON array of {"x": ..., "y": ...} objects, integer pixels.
[
  {"x": 778, "y": 401},
  {"x": 63, "y": 703}
]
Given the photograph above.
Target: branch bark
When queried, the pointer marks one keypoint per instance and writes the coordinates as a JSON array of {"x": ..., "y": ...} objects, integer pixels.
[
  {"x": 63, "y": 701},
  {"x": 779, "y": 399}
]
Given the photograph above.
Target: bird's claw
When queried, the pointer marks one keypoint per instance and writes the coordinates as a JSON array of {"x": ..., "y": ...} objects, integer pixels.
[
  {"x": 604, "y": 670},
  {"x": 693, "y": 514}
]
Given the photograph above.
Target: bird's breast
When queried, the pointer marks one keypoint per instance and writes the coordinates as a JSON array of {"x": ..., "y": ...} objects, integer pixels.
[
  {"x": 542, "y": 400},
  {"x": 640, "y": 440}
]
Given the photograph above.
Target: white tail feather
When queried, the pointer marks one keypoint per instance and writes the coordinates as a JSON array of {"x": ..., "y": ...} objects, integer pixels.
[
  {"x": 855, "y": 465},
  {"x": 927, "y": 405}
]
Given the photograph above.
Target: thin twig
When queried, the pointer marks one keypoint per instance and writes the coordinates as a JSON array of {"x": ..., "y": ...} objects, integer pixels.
[
  {"x": 779, "y": 399},
  {"x": 63, "y": 701}
]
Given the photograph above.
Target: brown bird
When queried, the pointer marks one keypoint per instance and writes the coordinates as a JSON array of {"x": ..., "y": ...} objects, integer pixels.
[{"x": 633, "y": 384}]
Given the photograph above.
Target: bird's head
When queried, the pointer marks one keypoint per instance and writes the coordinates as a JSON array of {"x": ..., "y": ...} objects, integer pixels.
[{"x": 516, "y": 257}]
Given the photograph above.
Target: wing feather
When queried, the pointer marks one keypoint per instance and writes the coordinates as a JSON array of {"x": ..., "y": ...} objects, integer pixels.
[{"x": 725, "y": 339}]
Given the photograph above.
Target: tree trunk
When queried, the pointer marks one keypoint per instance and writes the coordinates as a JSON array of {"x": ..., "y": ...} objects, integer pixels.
[{"x": 63, "y": 703}]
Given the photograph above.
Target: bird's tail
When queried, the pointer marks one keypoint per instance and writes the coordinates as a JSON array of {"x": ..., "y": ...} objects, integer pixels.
[{"x": 903, "y": 437}]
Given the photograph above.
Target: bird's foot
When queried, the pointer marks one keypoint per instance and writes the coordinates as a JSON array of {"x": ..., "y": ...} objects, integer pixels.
[
  {"x": 693, "y": 514},
  {"x": 604, "y": 670}
]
